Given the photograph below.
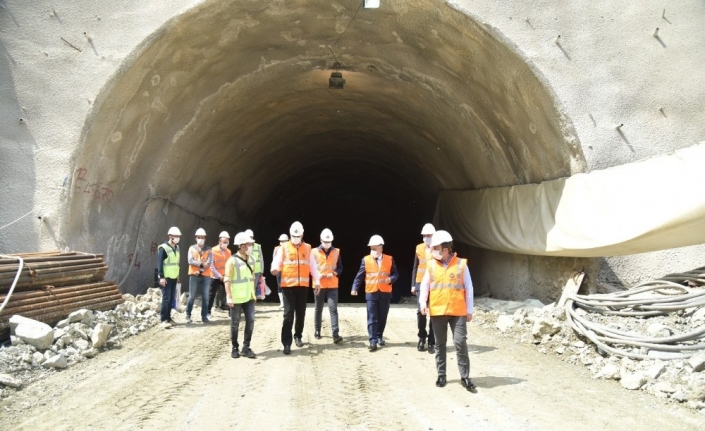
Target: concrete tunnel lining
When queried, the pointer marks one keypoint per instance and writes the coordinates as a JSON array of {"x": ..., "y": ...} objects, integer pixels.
[{"x": 225, "y": 111}]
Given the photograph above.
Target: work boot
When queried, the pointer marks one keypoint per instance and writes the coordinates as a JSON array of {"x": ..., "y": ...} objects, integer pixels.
[
  {"x": 298, "y": 342},
  {"x": 431, "y": 348},
  {"x": 468, "y": 384},
  {"x": 381, "y": 341},
  {"x": 235, "y": 353},
  {"x": 372, "y": 347},
  {"x": 287, "y": 350},
  {"x": 317, "y": 334},
  {"x": 441, "y": 381},
  {"x": 337, "y": 339},
  {"x": 421, "y": 346},
  {"x": 248, "y": 353}
]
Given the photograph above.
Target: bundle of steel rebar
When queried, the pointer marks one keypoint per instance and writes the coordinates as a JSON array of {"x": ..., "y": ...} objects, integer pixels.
[{"x": 51, "y": 285}]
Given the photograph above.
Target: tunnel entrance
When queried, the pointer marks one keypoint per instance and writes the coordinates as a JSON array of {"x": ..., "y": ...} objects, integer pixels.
[{"x": 223, "y": 119}]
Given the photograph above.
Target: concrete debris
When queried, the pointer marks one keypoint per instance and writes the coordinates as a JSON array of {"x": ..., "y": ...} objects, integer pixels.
[
  {"x": 664, "y": 374},
  {"x": 8, "y": 380},
  {"x": 38, "y": 349}
]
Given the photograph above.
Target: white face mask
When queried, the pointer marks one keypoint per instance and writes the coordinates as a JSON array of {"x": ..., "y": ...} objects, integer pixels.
[
  {"x": 295, "y": 241},
  {"x": 249, "y": 250},
  {"x": 200, "y": 242},
  {"x": 427, "y": 241},
  {"x": 223, "y": 247},
  {"x": 374, "y": 253},
  {"x": 437, "y": 254},
  {"x": 326, "y": 245},
  {"x": 176, "y": 240}
]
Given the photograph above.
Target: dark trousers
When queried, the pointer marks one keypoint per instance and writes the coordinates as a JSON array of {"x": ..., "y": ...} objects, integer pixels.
[
  {"x": 459, "y": 329},
  {"x": 217, "y": 292},
  {"x": 329, "y": 296},
  {"x": 168, "y": 293},
  {"x": 294, "y": 304},
  {"x": 377, "y": 311},
  {"x": 249, "y": 309},
  {"x": 421, "y": 322}
]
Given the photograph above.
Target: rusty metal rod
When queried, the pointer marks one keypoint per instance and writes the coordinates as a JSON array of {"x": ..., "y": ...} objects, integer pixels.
[
  {"x": 49, "y": 297},
  {"x": 51, "y": 318},
  {"x": 71, "y": 256},
  {"x": 31, "y": 310},
  {"x": 36, "y": 274},
  {"x": 61, "y": 263},
  {"x": 58, "y": 290},
  {"x": 53, "y": 303},
  {"x": 56, "y": 278}
]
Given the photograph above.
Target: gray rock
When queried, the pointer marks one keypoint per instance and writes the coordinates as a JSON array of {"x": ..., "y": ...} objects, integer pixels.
[
  {"x": 698, "y": 317},
  {"x": 16, "y": 341},
  {"x": 33, "y": 332},
  {"x": 83, "y": 315},
  {"x": 545, "y": 325},
  {"x": 697, "y": 361},
  {"x": 505, "y": 322},
  {"x": 90, "y": 353},
  {"x": 79, "y": 330},
  {"x": 100, "y": 334},
  {"x": 134, "y": 330},
  {"x": 609, "y": 371},
  {"x": 81, "y": 344},
  {"x": 696, "y": 388},
  {"x": 654, "y": 371},
  {"x": 58, "y": 333},
  {"x": 57, "y": 361},
  {"x": 37, "y": 358},
  {"x": 8, "y": 380},
  {"x": 26, "y": 357},
  {"x": 579, "y": 344},
  {"x": 150, "y": 313},
  {"x": 680, "y": 394},
  {"x": 560, "y": 350},
  {"x": 129, "y": 297},
  {"x": 658, "y": 330},
  {"x": 633, "y": 381},
  {"x": 63, "y": 323},
  {"x": 144, "y": 306},
  {"x": 665, "y": 387}
]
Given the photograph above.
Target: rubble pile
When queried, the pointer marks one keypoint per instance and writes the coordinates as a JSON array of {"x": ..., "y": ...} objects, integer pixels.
[
  {"x": 38, "y": 349},
  {"x": 546, "y": 327}
]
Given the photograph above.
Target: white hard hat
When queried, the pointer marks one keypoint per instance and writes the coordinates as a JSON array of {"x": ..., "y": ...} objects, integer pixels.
[
  {"x": 224, "y": 234},
  {"x": 428, "y": 229},
  {"x": 174, "y": 231},
  {"x": 326, "y": 235},
  {"x": 283, "y": 237},
  {"x": 250, "y": 233},
  {"x": 200, "y": 232},
  {"x": 296, "y": 229},
  {"x": 242, "y": 238},
  {"x": 440, "y": 237},
  {"x": 376, "y": 240}
]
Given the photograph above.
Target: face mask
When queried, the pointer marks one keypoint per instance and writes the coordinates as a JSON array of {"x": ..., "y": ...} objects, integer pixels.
[
  {"x": 200, "y": 242},
  {"x": 326, "y": 245},
  {"x": 296, "y": 241},
  {"x": 223, "y": 247},
  {"x": 249, "y": 250},
  {"x": 427, "y": 241},
  {"x": 176, "y": 240},
  {"x": 374, "y": 253},
  {"x": 437, "y": 254}
]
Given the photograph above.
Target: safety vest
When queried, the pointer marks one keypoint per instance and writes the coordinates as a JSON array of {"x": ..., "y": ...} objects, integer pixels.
[
  {"x": 295, "y": 265},
  {"x": 423, "y": 254},
  {"x": 220, "y": 257},
  {"x": 201, "y": 256},
  {"x": 171, "y": 263},
  {"x": 257, "y": 257},
  {"x": 447, "y": 288},
  {"x": 242, "y": 280},
  {"x": 326, "y": 265},
  {"x": 375, "y": 276}
]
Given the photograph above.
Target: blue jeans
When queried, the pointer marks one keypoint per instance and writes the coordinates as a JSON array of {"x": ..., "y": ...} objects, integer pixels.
[
  {"x": 235, "y": 313},
  {"x": 197, "y": 285},
  {"x": 329, "y": 296},
  {"x": 377, "y": 311},
  {"x": 168, "y": 293}
]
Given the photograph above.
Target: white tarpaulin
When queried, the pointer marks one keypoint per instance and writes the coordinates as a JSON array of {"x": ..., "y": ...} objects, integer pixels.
[{"x": 653, "y": 204}]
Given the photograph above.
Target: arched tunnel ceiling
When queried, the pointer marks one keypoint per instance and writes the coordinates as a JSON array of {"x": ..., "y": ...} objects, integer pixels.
[{"x": 229, "y": 102}]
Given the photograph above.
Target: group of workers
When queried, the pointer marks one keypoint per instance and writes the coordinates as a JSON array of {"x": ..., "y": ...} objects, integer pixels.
[{"x": 441, "y": 282}]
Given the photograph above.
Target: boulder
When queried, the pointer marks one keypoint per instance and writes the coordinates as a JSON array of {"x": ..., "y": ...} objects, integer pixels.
[
  {"x": 100, "y": 334},
  {"x": 504, "y": 322},
  {"x": 57, "y": 361},
  {"x": 81, "y": 344},
  {"x": 545, "y": 325},
  {"x": 35, "y": 333},
  {"x": 8, "y": 380},
  {"x": 633, "y": 381},
  {"x": 697, "y": 361},
  {"x": 83, "y": 315}
]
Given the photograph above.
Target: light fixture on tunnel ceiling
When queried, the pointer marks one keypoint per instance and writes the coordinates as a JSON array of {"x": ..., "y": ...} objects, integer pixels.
[
  {"x": 336, "y": 81},
  {"x": 371, "y": 4}
]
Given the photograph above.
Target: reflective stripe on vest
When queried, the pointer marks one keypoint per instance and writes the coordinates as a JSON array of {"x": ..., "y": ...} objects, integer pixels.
[
  {"x": 201, "y": 256},
  {"x": 171, "y": 263},
  {"x": 295, "y": 265},
  {"x": 375, "y": 276},
  {"x": 327, "y": 265},
  {"x": 447, "y": 288},
  {"x": 242, "y": 281},
  {"x": 257, "y": 257},
  {"x": 423, "y": 254},
  {"x": 219, "y": 259}
]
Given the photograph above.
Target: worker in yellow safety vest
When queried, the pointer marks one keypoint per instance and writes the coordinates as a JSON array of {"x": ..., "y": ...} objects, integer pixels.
[
  {"x": 240, "y": 290},
  {"x": 421, "y": 258},
  {"x": 258, "y": 257},
  {"x": 330, "y": 266},
  {"x": 168, "y": 272},
  {"x": 379, "y": 272},
  {"x": 447, "y": 289}
]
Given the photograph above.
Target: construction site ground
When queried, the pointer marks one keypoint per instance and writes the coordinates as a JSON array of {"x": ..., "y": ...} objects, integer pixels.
[{"x": 183, "y": 378}]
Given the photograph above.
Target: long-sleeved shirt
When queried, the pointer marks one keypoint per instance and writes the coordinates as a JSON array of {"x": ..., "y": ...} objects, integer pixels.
[
  {"x": 199, "y": 250},
  {"x": 339, "y": 264},
  {"x": 360, "y": 277},
  {"x": 278, "y": 261},
  {"x": 214, "y": 271},
  {"x": 161, "y": 257},
  {"x": 426, "y": 284}
]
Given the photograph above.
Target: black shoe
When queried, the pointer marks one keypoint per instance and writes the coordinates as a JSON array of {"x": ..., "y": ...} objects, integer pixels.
[
  {"x": 287, "y": 350},
  {"x": 235, "y": 353},
  {"x": 372, "y": 347},
  {"x": 441, "y": 382},
  {"x": 421, "y": 346},
  {"x": 337, "y": 339},
  {"x": 205, "y": 320},
  {"x": 468, "y": 384},
  {"x": 431, "y": 348},
  {"x": 317, "y": 334},
  {"x": 248, "y": 353},
  {"x": 381, "y": 341},
  {"x": 298, "y": 342}
]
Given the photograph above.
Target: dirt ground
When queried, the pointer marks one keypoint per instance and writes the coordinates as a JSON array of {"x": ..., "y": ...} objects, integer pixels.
[{"x": 184, "y": 379}]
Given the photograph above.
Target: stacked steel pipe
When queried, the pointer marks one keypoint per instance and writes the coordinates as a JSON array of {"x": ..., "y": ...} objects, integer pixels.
[{"x": 52, "y": 285}]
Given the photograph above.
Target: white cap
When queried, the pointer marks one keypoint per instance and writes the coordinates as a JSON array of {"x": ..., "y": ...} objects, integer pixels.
[
  {"x": 174, "y": 231},
  {"x": 250, "y": 233},
  {"x": 296, "y": 229},
  {"x": 283, "y": 237},
  {"x": 440, "y": 237},
  {"x": 242, "y": 238},
  {"x": 200, "y": 232},
  {"x": 224, "y": 234},
  {"x": 428, "y": 229},
  {"x": 326, "y": 235},
  {"x": 376, "y": 240}
]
